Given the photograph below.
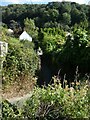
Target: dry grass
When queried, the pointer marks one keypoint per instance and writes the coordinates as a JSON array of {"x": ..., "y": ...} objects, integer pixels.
[{"x": 18, "y": 89}]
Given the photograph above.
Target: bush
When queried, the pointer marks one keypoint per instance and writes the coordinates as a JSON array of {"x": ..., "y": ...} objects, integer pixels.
[
  {"x": 54, "y": 102},
  {"x": 21, "y": 61},
  {"x": 10, "y": 111}
]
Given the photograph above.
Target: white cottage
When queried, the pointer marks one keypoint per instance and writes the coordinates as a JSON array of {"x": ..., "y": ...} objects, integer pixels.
[{"x": 25, "y": 36}]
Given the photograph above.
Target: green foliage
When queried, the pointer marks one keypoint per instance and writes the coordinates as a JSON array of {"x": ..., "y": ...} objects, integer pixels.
[
  {"x": 65, "y": 7},
  {"x": 66, "y": 18},
  {"x": 53, "y": 103},
  {"x": 21, "y": 61},
  {"x": 16, "y": 27},
  {"x": 10, "y": 111},
  {"x": 44, "y": 13},
  {"x": 52, "y": 40},
  {"x": 66, "y": 52},
  {"x": 74, "y": 52},
  {"x": 76, "y": 41},
  {"x": 80, "y": 36},
  {"x": 30, "y": 27}
]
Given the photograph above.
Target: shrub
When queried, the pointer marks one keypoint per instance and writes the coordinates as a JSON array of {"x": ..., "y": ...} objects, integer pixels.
[
  {"x": 54, "y": 102},
  {"x": 21, "y": 61},
  {"x": 10, "y": 111}
]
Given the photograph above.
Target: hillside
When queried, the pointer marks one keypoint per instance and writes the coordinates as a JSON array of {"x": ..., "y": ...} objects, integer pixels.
[
  {"x": 53, "y": 14},
  {"x": 54, "y": 66}
]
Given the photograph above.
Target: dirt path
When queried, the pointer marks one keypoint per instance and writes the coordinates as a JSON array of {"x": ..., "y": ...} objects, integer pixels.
[
  {"x": 19, "y": 101},
  {"x": 18, "y": 94},
  {"x": 18, "y": 89}
]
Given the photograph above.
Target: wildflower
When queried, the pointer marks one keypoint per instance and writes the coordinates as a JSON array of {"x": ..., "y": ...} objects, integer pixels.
[
  {"x": 71, "y": 89},
  {"x": 66, "y": 88},
  {"x": 65, "y": 81},
  {"x": 77, "y": 83},
  {"x": 72, "y": 83}
]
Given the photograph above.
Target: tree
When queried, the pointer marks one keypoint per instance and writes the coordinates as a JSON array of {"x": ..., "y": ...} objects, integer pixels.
[
  {"x": 65, "y": 7},
  {"x": 75, "y": 16},
  {"x": 66, "y": 18},
  {"x": 31, "y": 28},
  {"x": 16, "y": 27},
  {"x": 74, "y": 53},
  {"x": 53, "y": 14}
]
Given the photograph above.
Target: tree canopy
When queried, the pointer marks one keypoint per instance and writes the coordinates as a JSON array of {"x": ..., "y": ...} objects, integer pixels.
[{"x": 44, "y": 15}]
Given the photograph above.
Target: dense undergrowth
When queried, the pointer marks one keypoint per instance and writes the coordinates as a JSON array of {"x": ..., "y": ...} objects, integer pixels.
[
  {"x": 21, "y": 62},
  {"x": 52, "y": 103}
]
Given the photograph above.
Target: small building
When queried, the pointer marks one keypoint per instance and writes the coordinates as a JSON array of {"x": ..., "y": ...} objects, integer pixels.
[{"x": 25, "y": 36}]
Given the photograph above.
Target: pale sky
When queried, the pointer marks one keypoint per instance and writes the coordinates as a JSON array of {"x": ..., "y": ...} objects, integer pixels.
[{"x": 5, "y": 2}]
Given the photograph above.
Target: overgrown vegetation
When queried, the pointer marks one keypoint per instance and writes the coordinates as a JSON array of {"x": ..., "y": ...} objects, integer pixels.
[
  {"x": 52, "y": 103},
  {"x": 65, "y": 51},
  {"x": 62, "y": 30},
  {"x": 49, "y": 25},
  {"x": 21, "y": 61}
]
